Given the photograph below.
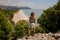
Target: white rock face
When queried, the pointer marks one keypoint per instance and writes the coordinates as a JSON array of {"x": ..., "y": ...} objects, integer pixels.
[{"x": 19, "y": 16}]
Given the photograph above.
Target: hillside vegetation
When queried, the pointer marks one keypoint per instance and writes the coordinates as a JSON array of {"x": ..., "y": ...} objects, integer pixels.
[{"x": 50, "y": 19}]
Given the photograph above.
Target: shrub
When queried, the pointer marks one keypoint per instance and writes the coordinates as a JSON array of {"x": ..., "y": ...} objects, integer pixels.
[
  {"x": 21, "y": 28},
  {"x": 5, "y": 27},
  {"x": 39, "y": 29}
]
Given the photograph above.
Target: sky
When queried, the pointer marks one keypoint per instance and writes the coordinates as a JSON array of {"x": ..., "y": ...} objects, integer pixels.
[{"x": 35, "y": 4}]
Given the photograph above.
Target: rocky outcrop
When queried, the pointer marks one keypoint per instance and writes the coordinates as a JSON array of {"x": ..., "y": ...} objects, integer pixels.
[
  {"x": 19, "y": 16},
  {"x": 43, "y": 36}
]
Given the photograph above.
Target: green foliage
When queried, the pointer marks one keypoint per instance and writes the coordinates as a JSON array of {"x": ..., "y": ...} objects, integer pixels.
[
  {"x": 50, "y": 19},
  {"x": 9, "y": 14},
  {"x": 2, "y": 35},
  {"x": 39, "y": 29},
  {"x": 58, "y": 5},
  {"x": 21, "y": 28},
  {"x": 5, "y": 27}
]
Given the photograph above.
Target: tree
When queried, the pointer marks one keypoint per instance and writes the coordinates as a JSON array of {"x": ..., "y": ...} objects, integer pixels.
[
  {"x": 58, "y": 5},
  {"x": 50, "y": 19}
]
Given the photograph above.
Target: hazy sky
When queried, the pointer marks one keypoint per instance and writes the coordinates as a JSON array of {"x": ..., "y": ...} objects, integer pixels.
[{"x": 36, "y": 4}]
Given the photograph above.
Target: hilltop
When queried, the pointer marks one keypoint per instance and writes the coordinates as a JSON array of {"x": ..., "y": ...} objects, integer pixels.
[{"x": 13, "y": 7}]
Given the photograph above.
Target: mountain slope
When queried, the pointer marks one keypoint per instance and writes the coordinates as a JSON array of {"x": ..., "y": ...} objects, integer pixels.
[{"x": 13, "y": 7}]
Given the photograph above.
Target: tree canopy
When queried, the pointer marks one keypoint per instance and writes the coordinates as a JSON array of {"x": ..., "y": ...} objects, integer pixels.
[{"x": 50, "y": 19}]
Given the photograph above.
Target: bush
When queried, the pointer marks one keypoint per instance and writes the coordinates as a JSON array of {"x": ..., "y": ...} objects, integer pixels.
[
  {"x": 39, "y": 29},
  {"x": 2, "y": 35},
  {"x": 21, "y": 28},
  {"x": 5, "y": 27}
]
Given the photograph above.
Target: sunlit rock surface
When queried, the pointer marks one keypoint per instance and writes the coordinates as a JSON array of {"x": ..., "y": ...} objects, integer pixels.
[
  {"x": 44, "y": 36},
  {"x": 19, "y": 16}
]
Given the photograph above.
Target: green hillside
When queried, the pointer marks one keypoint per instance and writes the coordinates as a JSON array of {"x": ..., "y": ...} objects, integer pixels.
[{"x": 50, "y": 19}]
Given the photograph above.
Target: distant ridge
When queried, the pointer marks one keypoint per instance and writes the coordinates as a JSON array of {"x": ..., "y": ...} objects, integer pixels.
[{"x": 13, "y": 7}]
